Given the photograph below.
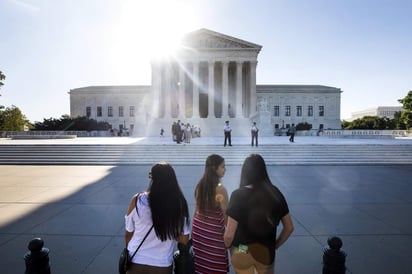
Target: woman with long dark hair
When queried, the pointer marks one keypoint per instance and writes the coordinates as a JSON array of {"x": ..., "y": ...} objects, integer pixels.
[
  {"x": 255, "y": 210},
  {"x": 210, "y": 218},
  {"x": 163, "y": 208}
]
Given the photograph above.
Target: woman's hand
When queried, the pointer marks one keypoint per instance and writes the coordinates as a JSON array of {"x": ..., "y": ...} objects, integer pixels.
[{"x": 230, "y": 231}]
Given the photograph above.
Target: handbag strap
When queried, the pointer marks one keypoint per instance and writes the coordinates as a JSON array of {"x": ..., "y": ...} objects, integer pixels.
[{"x": 147, "y": 234}]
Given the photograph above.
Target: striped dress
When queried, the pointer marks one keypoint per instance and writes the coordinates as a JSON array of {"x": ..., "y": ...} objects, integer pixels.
[{"x": 208, "y": 246}]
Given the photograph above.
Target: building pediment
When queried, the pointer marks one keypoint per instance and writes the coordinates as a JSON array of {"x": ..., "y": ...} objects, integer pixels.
[{"x": 207, "y": 39}]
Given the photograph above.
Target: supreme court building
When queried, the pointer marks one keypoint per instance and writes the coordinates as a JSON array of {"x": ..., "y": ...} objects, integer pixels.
[{"x": 211, "y": 78}]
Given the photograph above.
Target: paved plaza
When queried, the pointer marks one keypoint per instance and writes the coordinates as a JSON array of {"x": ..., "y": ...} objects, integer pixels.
[{"x": 79, "y": 212}]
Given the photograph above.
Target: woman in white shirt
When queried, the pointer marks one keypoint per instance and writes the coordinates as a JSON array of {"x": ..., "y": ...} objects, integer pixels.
[{"x": 164, "y": 207}]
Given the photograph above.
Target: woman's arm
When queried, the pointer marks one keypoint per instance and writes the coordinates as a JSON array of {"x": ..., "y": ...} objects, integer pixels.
[
  {"x": 183, "y": 239},
  {"x": 128, "y": 236},
  {"x": 132, "y": 205},
  {"x": 287, "y": 229},
  {"x": 222, "y": 199},
  {"x": 230, "y": 231}
]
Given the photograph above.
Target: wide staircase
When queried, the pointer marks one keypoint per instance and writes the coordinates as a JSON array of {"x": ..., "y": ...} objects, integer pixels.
[{"x": 132, "y": 154}]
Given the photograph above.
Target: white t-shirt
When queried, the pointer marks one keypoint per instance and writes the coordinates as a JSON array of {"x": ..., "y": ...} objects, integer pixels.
[{"x": 153, "y": 251}]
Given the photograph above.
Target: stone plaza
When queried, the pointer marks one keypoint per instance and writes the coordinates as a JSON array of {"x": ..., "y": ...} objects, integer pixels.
[{"x": 78, "y": 210}]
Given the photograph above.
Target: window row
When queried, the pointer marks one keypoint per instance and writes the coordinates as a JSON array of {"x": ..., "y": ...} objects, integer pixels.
[
  {"x": 99, "y": 111},
  {"x": 299, "y": 111}
]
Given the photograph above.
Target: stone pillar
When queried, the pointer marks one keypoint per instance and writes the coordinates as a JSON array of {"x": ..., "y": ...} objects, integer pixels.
[
  {"x": 225, "y": 89},
  {"x": 182, "y": 88},
  {"x": 252, "y": 110},
  {"x": 211, "y": 93},
  {"x": 167, "y": 90},
  {"x": 195, "y": 80},
  {"x": 239, "y": 100},
  {"x": 156, "y": 85}
]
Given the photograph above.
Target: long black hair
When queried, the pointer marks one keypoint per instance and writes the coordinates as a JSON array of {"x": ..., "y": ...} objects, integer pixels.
[
  {"x": 167, "y": 202},
  {"x": 205, "y": 192},
  {"x": 265, "y": 195}
]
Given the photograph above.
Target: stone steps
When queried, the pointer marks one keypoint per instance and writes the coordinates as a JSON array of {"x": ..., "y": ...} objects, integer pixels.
[{"x": 289, "y": 154}]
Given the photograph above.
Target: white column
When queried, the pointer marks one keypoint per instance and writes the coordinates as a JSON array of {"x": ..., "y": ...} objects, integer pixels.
[
  {"x": 195, "y": 90},
  {"x": 239, "y": 100},
  {"x": 225, "y": 89},
  {"x": 182, "y": 104},
  {"x": 211, "y": 93},
  {"x": 253, "y": 109},
  {"x": 156, "y": 85},
  {"x": 167, "y": 91}
]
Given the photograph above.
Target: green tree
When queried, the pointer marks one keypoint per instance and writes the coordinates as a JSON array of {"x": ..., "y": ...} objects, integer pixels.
[
  {"x": 68, "y": 123},
  {"x": 303, "y": 126},
  {"x": 2, "y": 77},
  {"x": 12, "y": 119},
  {"x": 397, "y": 120},
  {"x": 406, "y": 115},
  {"x": 372, "y": 122}
]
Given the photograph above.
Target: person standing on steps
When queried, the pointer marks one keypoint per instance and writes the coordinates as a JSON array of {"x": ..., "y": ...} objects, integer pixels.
[
  {"x": 228, "y": 132},
  {"x": 254, "y": 131},
  {"x": 292, "y": 131}
]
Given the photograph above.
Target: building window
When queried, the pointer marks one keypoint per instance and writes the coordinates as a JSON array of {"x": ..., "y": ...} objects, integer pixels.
[
  {"x": 110, "y": 111},
  {"x": 276, "y": 111},
  {"x": 310, "y": 111},
  {"x": 88, "y": 111},
  {"x": 299, "y": 111},
  {"x": 121, "y": 111},
  {"x": 287, "y": 110},
  {"x": 321, "y": 111},
  {"x": 99, "y": 111},
  {"x": 132, "y": 111}
]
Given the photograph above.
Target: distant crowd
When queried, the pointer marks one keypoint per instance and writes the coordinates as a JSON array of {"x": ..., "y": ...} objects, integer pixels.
[{"x": 182, "y": 133}]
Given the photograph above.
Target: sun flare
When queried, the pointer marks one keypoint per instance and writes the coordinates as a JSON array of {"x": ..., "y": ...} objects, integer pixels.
[{"x": 144, "y": 30}]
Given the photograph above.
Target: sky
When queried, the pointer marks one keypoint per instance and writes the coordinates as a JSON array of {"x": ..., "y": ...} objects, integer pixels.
[{"x": 48, "y": 47}]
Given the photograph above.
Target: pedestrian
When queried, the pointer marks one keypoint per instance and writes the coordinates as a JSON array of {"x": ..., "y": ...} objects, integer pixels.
[
  {"x": 254, "y": 131},
  {"x": 161, "y": 132},
  {"x": 228, "y": 133},
  {"x": 174, "y": 132},
  {"x": 292, "y": 131},
  {"x": 162, "y": 214},
  {"x": 254, "y": 212},
  {"x": 210, "y": 219},
  {"x": 188, "y": 133}
]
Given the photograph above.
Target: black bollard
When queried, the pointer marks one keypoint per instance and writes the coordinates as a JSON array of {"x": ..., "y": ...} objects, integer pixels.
[
  {"x": 37, "y": 259},
  {"x": 333, "y": 257}
]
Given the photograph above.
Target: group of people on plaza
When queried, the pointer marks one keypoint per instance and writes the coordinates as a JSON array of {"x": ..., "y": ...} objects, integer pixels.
[
  {"x": 242, "y": 229},
  {"x": 254, "y": 132},
  {"x": 182, "y": 132}
]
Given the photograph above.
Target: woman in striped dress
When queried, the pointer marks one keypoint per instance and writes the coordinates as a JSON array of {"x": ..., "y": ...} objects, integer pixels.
[{"x": 209, "y": 220}]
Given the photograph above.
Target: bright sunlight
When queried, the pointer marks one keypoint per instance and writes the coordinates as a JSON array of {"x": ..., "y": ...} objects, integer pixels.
[{"x": 145, "y": 29}]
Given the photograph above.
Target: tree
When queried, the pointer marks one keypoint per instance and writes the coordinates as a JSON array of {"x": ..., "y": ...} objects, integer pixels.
[
  {"x": 2, "y": 77},
  {"x": 406, "y": 115},
  {"x": 373, "y": 122},
  {"x": 303, "y": 126},
  {"x": 68, "y": 123},
  {"x": 12, "y": 119}
]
